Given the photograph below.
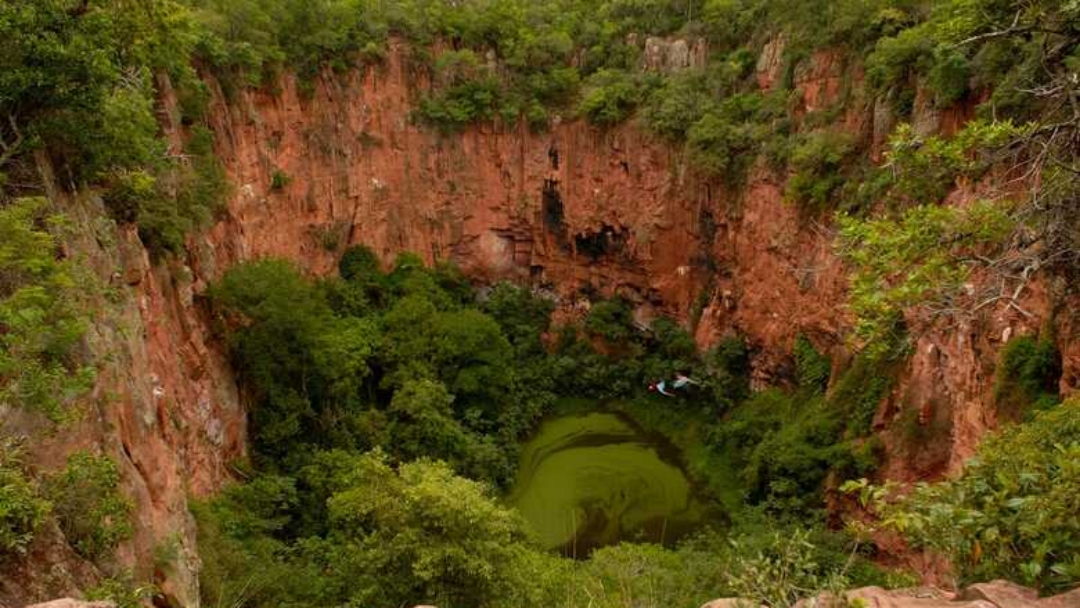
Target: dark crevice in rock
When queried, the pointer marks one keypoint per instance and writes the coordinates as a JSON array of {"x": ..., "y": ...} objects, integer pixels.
[{"x": 609, "y": 242}]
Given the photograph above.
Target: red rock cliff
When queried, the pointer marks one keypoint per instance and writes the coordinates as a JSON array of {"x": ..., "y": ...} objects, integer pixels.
[{"x": 578, "y": 208}]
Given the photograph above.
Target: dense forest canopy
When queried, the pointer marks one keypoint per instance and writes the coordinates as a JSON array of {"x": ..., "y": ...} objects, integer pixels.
[{"x": 389, "y": 401}]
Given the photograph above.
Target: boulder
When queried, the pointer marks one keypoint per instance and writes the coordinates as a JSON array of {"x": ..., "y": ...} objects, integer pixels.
[
  {"x": 1070, "y": 599},
  {"x": 68, "y": 602},
  {"x": 920, "y": 597},
  {"x": 995, "y": 594},
  {"x": 731, "y": 602},
  {"x": 1001, "y": 594}
]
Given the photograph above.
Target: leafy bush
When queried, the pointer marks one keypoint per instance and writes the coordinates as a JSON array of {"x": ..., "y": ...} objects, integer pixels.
[
  {"x": 901, "y": 264},
  {"x": 41, "y": 315},
  {"x": 403, "y": 360},
  {"x": 522, "y": 316},
  {"x": 818, "y": 161},
  {"x": 949, "y": 77},
  {"x": 93, "y": 514},
  {"x": 647, "y": 575},
  {"x": 364, "y": 284},
  {"x": 1027, "y": 375},
  {"x": 1012, "y": 513},
  {"x": 610, "y": 97},
  {"x": 611, "y": 320},
  {"x": 896, "y": 59},
  {"x": 359, "y": 263},
  {"x": 279, "y": 179},
  {"x": 164, "y": 217},
  {"x": 122, "y": 592},
  {"x": 784, "y": 446},
  {"x": 417, "y": 533},
  {"x": 678, "y": 104},
  {"x": 127, "y": 193},
  {"x": 461, "y": 104},
  {"x": 719, "y": 147},
  {"x": 726, "y": 139},
  {"x": 785, "y": 573},
  {"x": 22, "y": 509},
  {"x": 924, "y": 169},
  {"x": 241, "y": 567},
  {"x": 728, "y": 364},
  {"x": 84, "y": 91},
  {"x": 787, "y": 470},
  {"x": 812, "y": 368},
  {"x": 864, "y": 385},
  {"x": 307, "y": 366}
]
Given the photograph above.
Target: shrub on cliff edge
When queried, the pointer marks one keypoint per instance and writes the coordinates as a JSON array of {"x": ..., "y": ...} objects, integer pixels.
[
  {"x": 22, "y": 509},
  {"x": 1014, "y": 511},
  {"x": 41, "y": 321},
  {"x": 1027, "y": 375},
  {"x": 93, "y": 514}
]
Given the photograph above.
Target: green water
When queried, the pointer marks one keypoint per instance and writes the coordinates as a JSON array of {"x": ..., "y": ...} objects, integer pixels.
[{"x": 590, "y": 480}]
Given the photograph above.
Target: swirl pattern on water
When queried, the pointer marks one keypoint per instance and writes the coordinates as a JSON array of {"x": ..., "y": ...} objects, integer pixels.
[{"x": 591, "y": 480}]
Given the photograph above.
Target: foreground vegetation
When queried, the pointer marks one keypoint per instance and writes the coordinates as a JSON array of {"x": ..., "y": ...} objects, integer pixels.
[
  {"x": 343, "y": 483},
  {"x": 389, "y": 411},
  {"x": 1011, "y": 514}
]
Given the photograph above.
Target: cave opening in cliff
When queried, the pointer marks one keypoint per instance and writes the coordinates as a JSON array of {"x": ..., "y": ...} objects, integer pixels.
[
  {"x": 553, "y": 207},
  {"x": 553, "y": 213},
  {"x": 608, "y": 242}
]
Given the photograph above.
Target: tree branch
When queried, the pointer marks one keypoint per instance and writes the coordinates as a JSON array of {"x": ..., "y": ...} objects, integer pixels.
[{"x": 8, "y": 150}]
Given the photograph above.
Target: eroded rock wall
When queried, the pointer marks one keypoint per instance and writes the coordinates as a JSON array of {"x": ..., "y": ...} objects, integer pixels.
[
  {"x": 583, "y": 210},
  {"x": 165, "y": 407}
]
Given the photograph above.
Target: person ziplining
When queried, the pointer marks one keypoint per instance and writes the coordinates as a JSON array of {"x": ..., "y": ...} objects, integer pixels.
[
  {"x": 681, "y": 382},
  {"x": 659, "y": 387}
]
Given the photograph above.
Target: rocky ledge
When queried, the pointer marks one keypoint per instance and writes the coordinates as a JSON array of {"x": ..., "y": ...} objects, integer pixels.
[{"x": 996, "y": 594}]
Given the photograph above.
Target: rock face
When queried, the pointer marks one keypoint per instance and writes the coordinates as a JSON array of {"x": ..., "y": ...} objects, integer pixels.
[
  {"x": 165, "y": 408},
  {"x": 574, "y": 208},
  {"x": 664, "y": 55},
  {"x": 582, "y": 211}
]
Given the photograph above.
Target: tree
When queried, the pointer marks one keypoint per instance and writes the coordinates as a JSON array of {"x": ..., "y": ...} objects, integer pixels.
[
  {"x": 76, "y": 79},
  {"x": 1027, "y": 376},
  {"x": 472, "y": 356},
  {"x": 522, "y": 316},
  {"x": 307, "y": 365},
  {"x": 53, "y": 61},
  {"x": 919, "y": 261},
  {"x": 610, "y": 97},
  {"x": 423, "y": 534},
  {"x": 422, "y": 422},
  {"x": 818, "y": 161}
]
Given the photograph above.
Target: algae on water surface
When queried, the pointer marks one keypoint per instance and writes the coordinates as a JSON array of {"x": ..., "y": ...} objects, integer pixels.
[{"x": 590, "y": 480}]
